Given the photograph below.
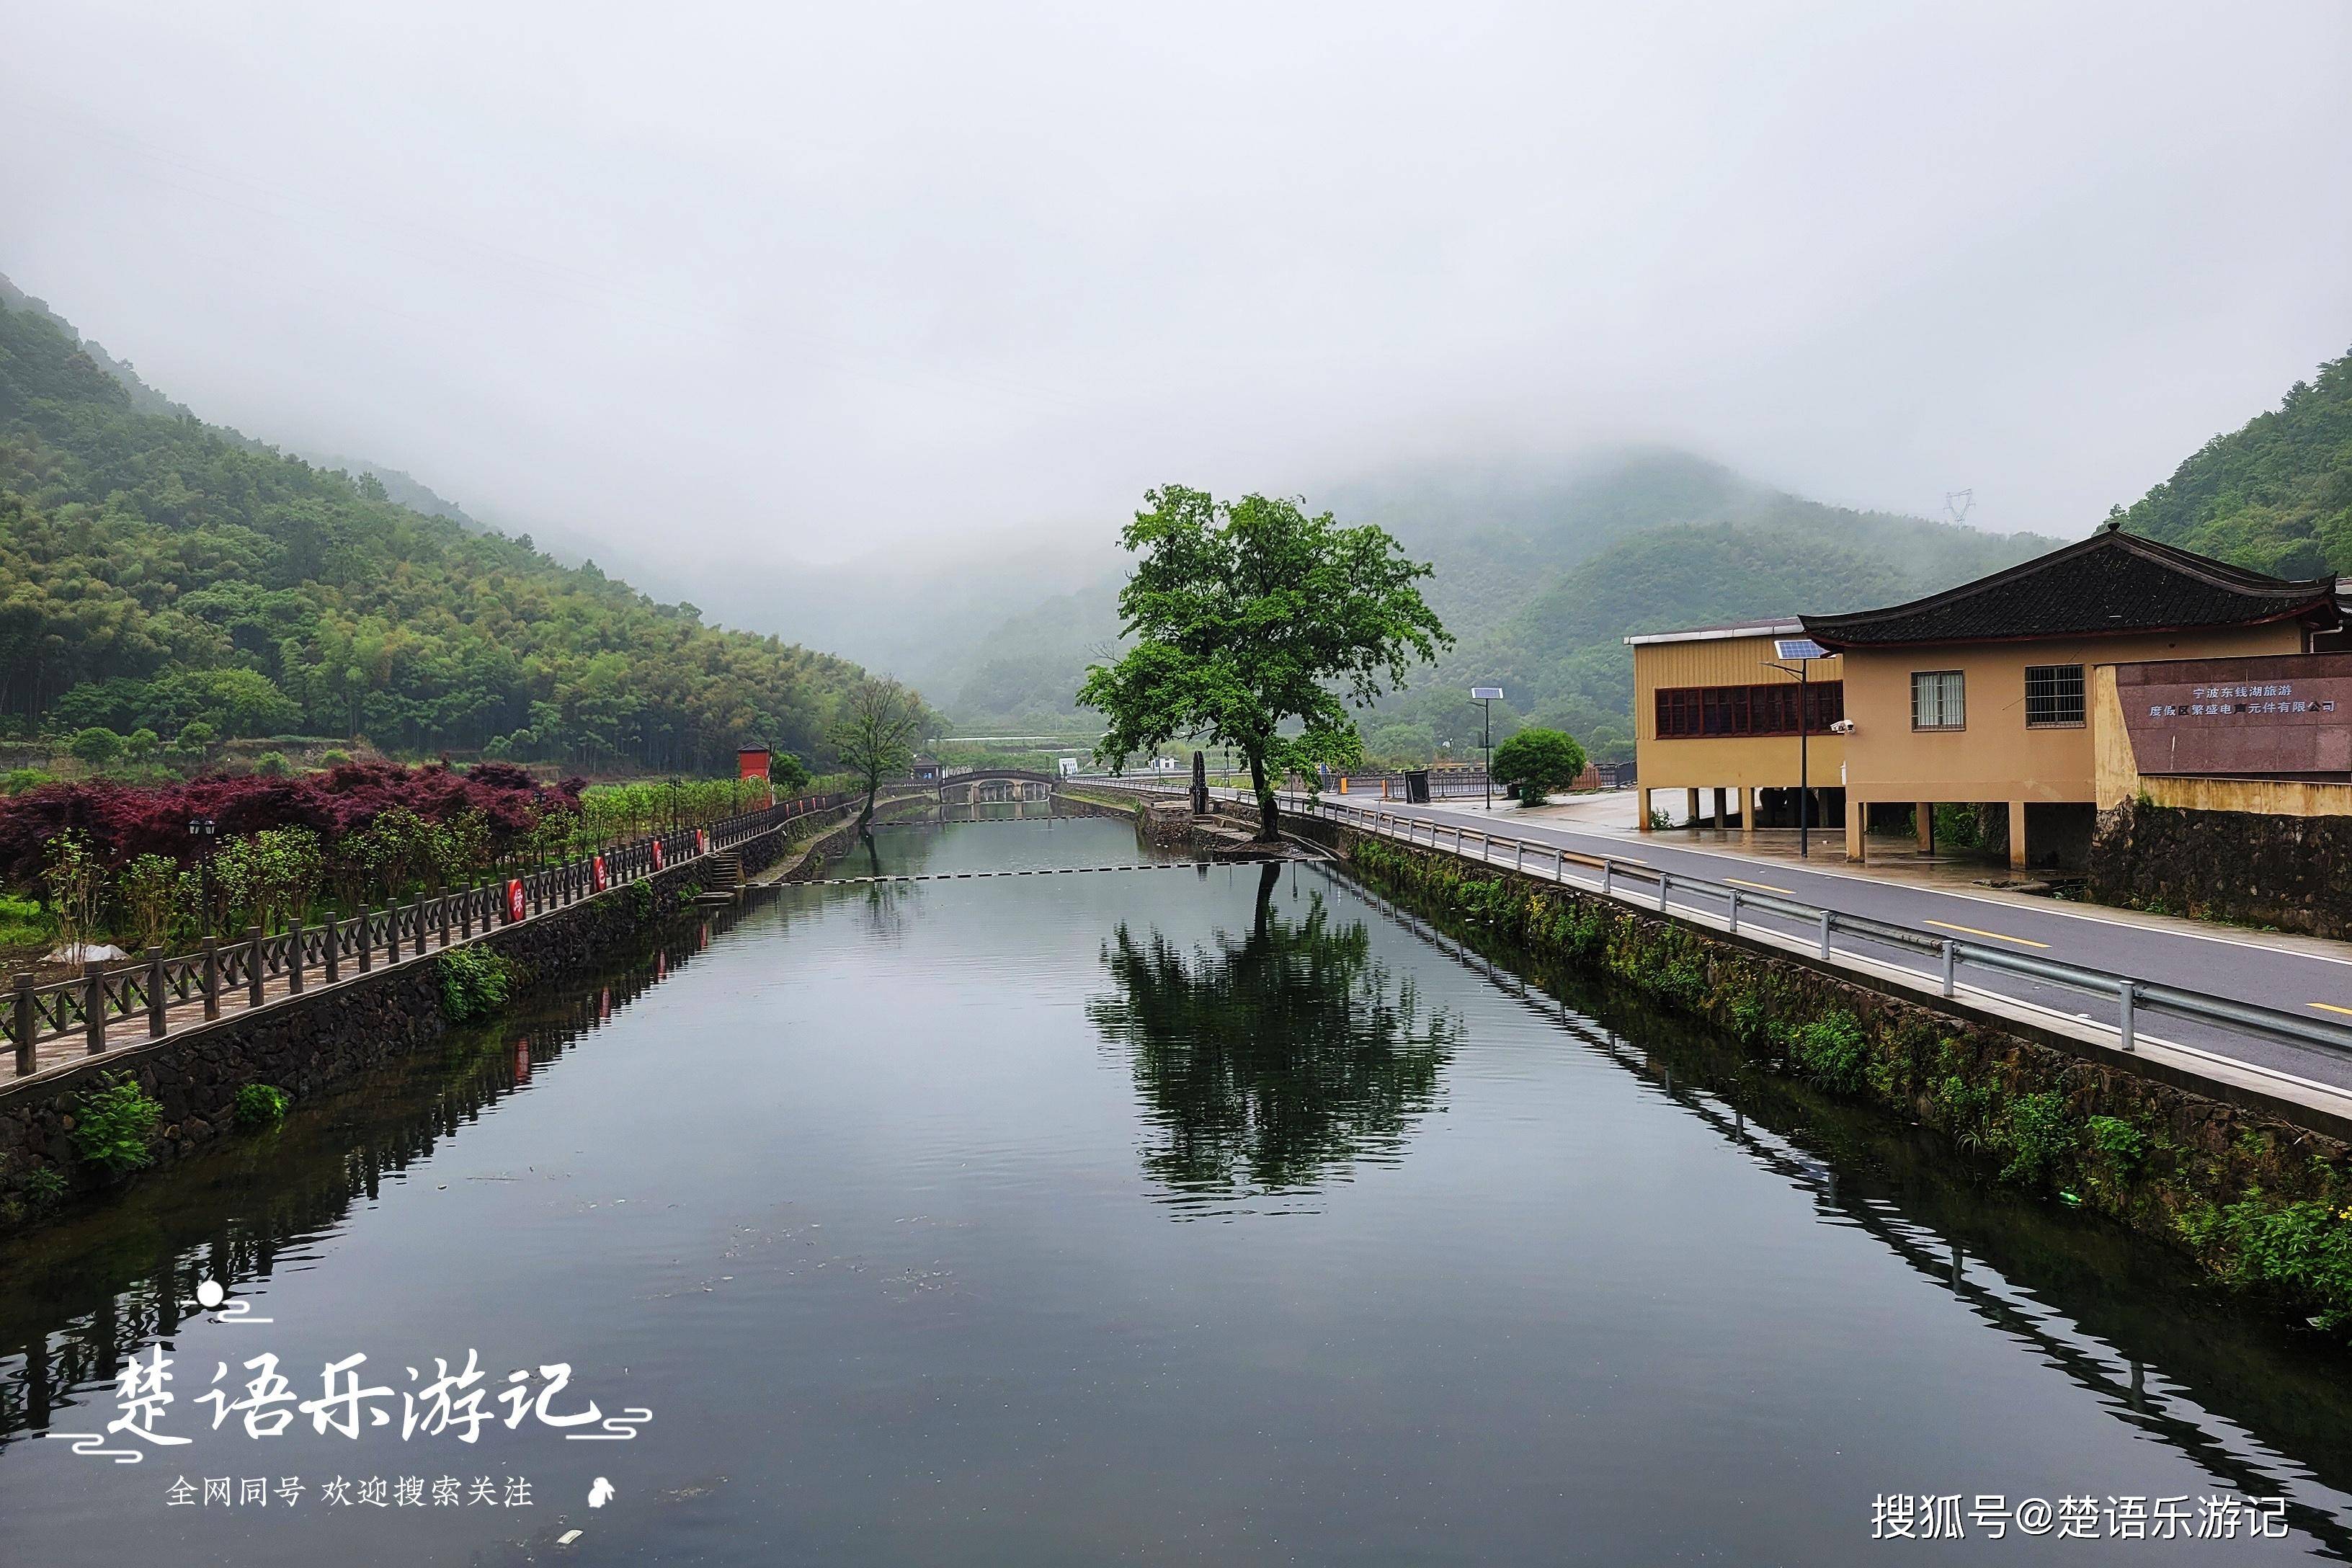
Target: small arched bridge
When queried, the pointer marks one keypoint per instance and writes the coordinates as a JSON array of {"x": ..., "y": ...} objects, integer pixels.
[{"x": 995, "y": 786}]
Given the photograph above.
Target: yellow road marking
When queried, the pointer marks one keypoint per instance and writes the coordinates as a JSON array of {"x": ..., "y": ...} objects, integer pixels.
[
  {"x": 2332, "y": 1007},
  {"x": 2021, "y": 941},
  {"x": 1762, "y": 886}
]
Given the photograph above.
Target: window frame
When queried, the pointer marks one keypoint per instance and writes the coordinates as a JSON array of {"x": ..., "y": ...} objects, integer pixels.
[
  {"x": 1769, "y": 710},
  {"x": 1959, "y": 677},
  {"x": 2081, "y": 697}
]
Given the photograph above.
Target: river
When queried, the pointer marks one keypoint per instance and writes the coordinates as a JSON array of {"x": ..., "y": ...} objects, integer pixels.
[{"x": 1174, "y": 1214}]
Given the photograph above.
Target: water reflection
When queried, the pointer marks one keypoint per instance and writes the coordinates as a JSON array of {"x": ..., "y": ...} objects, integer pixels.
[
  {"x": 84, "y": 1298},
  {"x": 1272, "y": 1060},
  {"x": 2259, "y": 1423}
]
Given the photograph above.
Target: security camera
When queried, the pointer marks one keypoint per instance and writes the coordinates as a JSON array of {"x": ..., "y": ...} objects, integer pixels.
[{"x": 1843, "y": 727}]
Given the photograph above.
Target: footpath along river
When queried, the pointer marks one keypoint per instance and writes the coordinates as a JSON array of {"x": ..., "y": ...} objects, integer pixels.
[{"x": 1169, "y": 1216}]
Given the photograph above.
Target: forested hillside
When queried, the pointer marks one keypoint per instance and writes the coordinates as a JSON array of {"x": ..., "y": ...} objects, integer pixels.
[
  {"x": 2276, "y": 495},
  {"x": 1540, "y": 576},
  {"x": 156, "y": 573}
]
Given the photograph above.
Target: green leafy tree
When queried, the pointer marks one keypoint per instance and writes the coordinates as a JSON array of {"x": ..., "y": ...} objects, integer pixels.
[
  {"x": 197, "y": 740},
  {"x": 873, "y": 735},
  {"x": 76, "y": 887},
  {"x": 96, "y": 748},
  {"x": 153, "y": 889},
  {"x": 141, "y": 745},
  {"x": 1540, "y": 762},
  {"x": 1257, "y": 626}
]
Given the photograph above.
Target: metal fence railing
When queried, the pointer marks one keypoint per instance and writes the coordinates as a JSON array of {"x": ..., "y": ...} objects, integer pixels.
[
  {"x": 167, "y": 990},
  {"x": 1641, "y": 885}
]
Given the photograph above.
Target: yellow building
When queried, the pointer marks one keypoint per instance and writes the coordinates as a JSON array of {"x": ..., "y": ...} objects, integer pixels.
[
  {"x": 1983, "y": 694},
  {"x": 1717, "y": 715}
]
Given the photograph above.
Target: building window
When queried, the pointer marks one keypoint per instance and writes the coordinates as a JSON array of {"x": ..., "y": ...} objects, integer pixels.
[
  {"x": 1938, "y": 699},
  {"x": 1771, "y": 708},
  {"x": 2053, "y": 696}
]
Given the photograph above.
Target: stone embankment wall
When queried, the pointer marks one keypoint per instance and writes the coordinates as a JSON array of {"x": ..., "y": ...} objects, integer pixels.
[
  {"x": 2264, "y": 1203},
  {"x": 2292, "y": 873},
  {"x": 304, "y": 1044}
]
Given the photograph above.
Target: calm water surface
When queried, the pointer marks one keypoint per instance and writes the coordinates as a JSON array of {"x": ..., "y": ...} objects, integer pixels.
[{"x": 1184, "y": 1215}]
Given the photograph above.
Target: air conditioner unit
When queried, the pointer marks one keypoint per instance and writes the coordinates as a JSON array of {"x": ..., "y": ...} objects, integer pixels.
[{"x": 1843, "y": 727}]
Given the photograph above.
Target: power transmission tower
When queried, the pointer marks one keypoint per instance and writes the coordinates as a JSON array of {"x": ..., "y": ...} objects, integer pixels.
[{"x": 1958, "y": 503}]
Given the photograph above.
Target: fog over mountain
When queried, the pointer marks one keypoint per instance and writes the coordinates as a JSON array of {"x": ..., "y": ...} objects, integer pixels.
[{"x": 761, "y": 286}]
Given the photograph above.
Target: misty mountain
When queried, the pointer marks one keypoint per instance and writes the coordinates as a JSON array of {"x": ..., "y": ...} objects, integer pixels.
[
  {"x": 2276, "y": 494},
  {"x": 1540, "y": 574},
  {"x": 158, "y": 573}
]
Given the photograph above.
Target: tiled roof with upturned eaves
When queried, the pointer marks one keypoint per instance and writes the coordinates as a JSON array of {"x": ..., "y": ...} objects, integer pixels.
[{"x": 2111, "y": 582}]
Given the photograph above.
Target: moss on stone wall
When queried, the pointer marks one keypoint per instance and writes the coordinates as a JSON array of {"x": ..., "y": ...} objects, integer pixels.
[{"x": 2263, "y": 1206}]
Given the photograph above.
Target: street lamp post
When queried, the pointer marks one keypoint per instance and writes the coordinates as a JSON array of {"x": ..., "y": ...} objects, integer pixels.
[
  {"x": 1803, "y": 651},
  {"x": 1487, "y": 696},
  {"x": 204, "y": 829}
]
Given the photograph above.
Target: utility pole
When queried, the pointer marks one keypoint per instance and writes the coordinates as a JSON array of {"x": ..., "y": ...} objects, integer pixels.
[{"x": 1487, "y": 696}]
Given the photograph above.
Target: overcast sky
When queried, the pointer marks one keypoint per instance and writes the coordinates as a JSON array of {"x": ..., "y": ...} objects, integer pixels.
[{"x": 813, "y": 282}]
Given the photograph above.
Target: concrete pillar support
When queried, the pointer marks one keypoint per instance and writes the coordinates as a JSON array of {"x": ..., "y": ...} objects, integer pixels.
[
  {"x": 2017, "y": 835},
  {"x": 1642, "y": 808},
  {"x": 1717, "y": 820},
  {"x": 1924, "y": 820},
  {"x": 1690, "y": 808},
  {"x": 1750, "y": 797},
  {"x": 1857, "y": 812}
]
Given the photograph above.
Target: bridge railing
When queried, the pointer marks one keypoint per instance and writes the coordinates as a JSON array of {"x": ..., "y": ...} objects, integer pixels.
[
  {"x": 160, "y": 990},
  {"x": 1640, "y": 884}
]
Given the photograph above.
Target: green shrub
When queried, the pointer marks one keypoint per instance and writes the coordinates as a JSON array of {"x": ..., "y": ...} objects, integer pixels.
[
  {"x": 2300, "y": 1251},
  {"x": 1751, "y": 1019},
  {"x": 45, "y": 1188},
  {"x": 475, "y": 983},
  {"x": 24, "y": 922},
  {"x": 2037, "y": 1136},
  {"x": 2117, "y": 1142},
  {"x": 1972, "y": 1110},
  {"x": 114, "y": 1123},
  {"x": 272, "y": 765},
  {"x": 1833, "y": 1052},
  {"x": 261, "y": 1105},
  {"x": 333, "y": 757}
]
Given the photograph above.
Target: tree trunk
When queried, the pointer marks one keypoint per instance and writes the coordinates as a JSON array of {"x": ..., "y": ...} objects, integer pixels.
[
  {"x": 1269, "y": 818},
  {"x": 873, "y": 788}
]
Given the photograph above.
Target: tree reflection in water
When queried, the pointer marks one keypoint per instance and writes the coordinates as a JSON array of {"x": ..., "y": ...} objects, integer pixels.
[{"x": 1275, "y": 1060}]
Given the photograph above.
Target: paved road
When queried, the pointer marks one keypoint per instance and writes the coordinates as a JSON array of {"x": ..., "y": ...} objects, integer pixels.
[{"x": 2241, "y": 966}]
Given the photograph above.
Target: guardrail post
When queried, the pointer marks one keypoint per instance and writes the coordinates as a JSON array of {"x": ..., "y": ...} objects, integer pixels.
[
  {"x": 26, "y": 1018},
  {"x": 294, "y": 958},
  {"x": 333, "y": 945},
  {"x": 1732, "y": 925},
  {"x": 1519, "y": 860},
  {"x": 1666, "y": 881},
  {"x": 253, "y": 966},
  {"x": 1608, "y": 871},
  {"x": 1825, "y": 933},
  {"x": 212, "y": 977},
  {"x": 155, "y": 1025},
  {"x": 1951, "y": 958},
  {"x": 366, "y": 944},
  {"x": 2127, "y": 993},
  {"x": 1559, "y": 865},
  {"x": 93, "y": 1007}
]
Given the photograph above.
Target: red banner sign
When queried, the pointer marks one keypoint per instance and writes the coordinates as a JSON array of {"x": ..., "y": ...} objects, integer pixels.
[
  {"x": 514, "y": 900},
  {"x": 596, "y": 874},
  {"x": 658, "y": 855},
  {"x": 701, "y": 842}
]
